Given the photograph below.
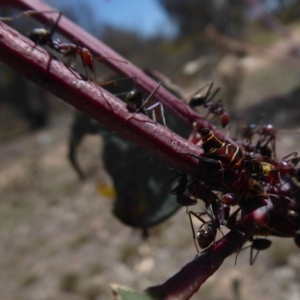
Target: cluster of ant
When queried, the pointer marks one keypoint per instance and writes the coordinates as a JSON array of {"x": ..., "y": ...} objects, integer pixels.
[
  {"x": 243, "y": 172},
  {"x": 239, "y": 174}
]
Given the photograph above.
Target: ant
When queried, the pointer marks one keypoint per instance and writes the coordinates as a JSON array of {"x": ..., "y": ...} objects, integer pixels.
[
  {"x": 44, "y": 37},
  {"x": 216, "y": 109},
  {"x": 221, "y": 149},
  {"x": 219, "y": 215},
  {"x": 179, "y": 190},
  {"x": 267, "y": 135},
  {"x": 183, "y": 184},
  {"x": 258, "y": 244},
  {"x": 197, "y": 189},
  {"x": 273, "y": 171},
  {"x": 207, "y": 232},
  {"x": 136, "y": 103}
]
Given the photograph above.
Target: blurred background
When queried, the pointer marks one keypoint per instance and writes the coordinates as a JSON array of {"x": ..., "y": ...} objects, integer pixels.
[{"x": 58, "y": 236}]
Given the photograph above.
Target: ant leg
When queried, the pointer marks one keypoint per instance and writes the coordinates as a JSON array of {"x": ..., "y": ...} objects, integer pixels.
[
  {"x": 215, "y": 220},
  {"x": 210, "y": 85},
  {"x": 192, "y": 225},
  {"x": 213, "y": 94},
  {"x": 252, "y": 258},
  {"x": 86, "y": 70},
  {"x": 111, "y": 58},
  {"x": 161, "y": 112},
  {"x": 293, "y": 155},
  {"x": 115, "y": 81},
  {"x": 56, "y": 23},
  {"x": 193, "y": 230},
  {"x": 33, "y": 12},
  {"x": 236, "y": 257}
]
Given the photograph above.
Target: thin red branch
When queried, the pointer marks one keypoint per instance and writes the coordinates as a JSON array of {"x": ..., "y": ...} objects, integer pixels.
[
  {"x": 189, "y": 279},
  {"x": 98, "y": 48}
]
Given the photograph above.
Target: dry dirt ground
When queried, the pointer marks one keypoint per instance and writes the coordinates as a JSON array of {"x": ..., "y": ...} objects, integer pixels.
[{"x": 59, "y": 240}]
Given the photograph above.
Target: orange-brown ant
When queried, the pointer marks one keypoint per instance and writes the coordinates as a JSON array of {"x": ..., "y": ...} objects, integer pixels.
[{"x": 44, "y": 37}]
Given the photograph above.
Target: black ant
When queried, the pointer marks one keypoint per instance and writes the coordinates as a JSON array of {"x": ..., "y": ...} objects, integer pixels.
[
  {"x": 207, "y": 232},
  {"x": 43, "y": 37},
  {"x": 181, "y": 198},
  {"x": 136, "y": 103},
  {"x": 258, "y": 244},
  {"x": 196, "y": 190},
  {"x": 216, "y": 109},
  {"x": 180, "y": 189}
]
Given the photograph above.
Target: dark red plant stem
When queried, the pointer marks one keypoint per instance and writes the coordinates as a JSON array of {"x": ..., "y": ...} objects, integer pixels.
[
  {"x": 189, "y": 279},
  {"x": 71, "y": 31},
  {"x": 36, "y": 64}
]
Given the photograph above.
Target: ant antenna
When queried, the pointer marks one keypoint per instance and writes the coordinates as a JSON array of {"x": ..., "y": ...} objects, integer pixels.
[{"x": 29, "y": 13}]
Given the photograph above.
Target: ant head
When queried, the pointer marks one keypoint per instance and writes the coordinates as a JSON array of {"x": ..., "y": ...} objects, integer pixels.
[
  {"x": 205, "y": 132},
  {"x": 39, "y": 36},
  {"x": 135, "y": 97},
  {"x": 267, "y": 130}
]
